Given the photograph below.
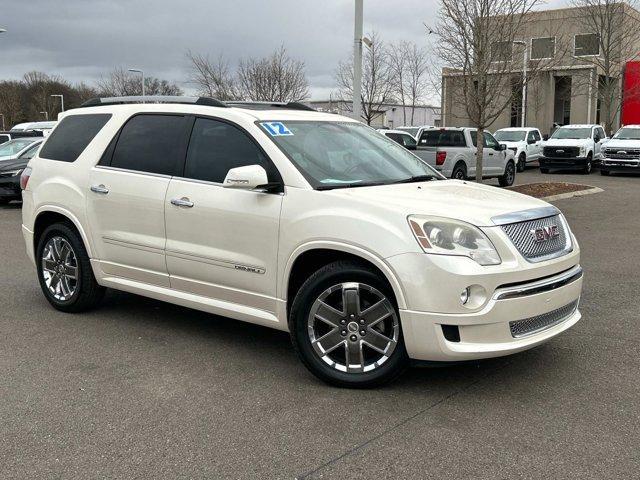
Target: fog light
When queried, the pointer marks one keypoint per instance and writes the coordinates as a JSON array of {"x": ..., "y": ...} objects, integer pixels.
[{"x": 464, "y": 296}]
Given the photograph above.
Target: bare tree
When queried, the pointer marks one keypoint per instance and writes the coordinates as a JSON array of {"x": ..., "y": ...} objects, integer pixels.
[
  {"x": 409, "y": 75},
  {"x": 377, "y": 84},
  {"x": 277, "y": 78},
  {"x": 476, "y": 43},
  {"x": 213, "y": 78},
  {"x": 120, "y": 83},
  {"x": 617, "y": 42},
  {"x": 399, "y": 65}
]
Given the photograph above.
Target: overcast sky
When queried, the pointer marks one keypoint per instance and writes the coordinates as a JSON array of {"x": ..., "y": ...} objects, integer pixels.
[{"x": 81, "y": 40}]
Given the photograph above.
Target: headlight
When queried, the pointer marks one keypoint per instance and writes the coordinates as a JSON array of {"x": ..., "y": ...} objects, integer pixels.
[
  {"x": 583, "y": 151},
  {"x": 443, "y": 236}
]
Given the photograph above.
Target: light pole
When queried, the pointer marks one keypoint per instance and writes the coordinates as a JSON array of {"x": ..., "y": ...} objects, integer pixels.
[
  {"x": 357, "y": 60},
  {"x": 136, "y": 70},
  {"x": 61, "y": 101},
  {"x": 46, "y": 115},
  {"x": 524, "y": 81}
]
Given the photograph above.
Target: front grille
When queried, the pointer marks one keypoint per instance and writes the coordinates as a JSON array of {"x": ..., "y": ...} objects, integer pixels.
[
  {"x": 561, "y": 152},
  {"x": 622, "y": 153},
  {"x": 531, "y": 247},
  {"x": 529, "y": 326}
]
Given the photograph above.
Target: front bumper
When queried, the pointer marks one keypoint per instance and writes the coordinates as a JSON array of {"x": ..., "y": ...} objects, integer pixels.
[
  {"x": 10, "y": 188},
  {"x": 563, "y": 163},
  {"x": 615, "y": 165}
]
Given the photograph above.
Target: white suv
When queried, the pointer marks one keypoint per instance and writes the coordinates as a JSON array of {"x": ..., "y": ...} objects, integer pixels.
[{"x": 302, "y": 221}]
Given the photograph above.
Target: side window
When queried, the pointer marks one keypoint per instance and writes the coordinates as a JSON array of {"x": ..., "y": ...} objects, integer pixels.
[
  {"x": 536, "y": 135},
  {"x": 216, "y": 147},
  {"x": 72, "y": 135},
  {"x": 408, "y": 141},
  {"x": 29, "y": 154},
  {"x": 474, "y": 137},
  {"x": 489, "y": 141},
  {"x": 601, "y": 133},
  {"x": 151, "y": 143},
  {"x": 4, "y": 138},
  {"x": 531, "y": 137}
]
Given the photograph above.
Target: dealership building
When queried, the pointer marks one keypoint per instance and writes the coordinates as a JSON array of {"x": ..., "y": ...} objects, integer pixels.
[{"x": 567, "y": 90}]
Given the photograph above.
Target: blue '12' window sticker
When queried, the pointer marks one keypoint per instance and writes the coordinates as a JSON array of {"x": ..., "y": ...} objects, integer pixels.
[{"x": 276, "y": 129}]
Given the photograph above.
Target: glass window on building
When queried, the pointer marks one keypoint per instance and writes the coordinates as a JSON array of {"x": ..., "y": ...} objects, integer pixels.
[
  {"x": 543, "y": 48},
  {"x": 501, "y": 51},
  {"x": 586, "y": 44}
]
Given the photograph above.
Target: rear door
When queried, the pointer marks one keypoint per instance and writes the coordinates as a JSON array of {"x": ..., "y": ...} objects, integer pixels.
[
  {"x": 222, "y": 243},
  {"x": 126, "y": 201}
]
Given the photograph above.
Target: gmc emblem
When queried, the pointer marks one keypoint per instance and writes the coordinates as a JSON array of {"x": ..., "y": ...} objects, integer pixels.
[{"x": 543, "y": 234}]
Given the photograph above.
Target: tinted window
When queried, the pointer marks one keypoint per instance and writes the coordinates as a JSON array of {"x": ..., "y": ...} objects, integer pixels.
[
  {"x": 216, "y": 147},
  {"x": 543, "y": 47},
  {"x": 151, "y": 143},
  {"x": 442, "y": 138},
  {"x": 489, "y": 141},
  {"x": 395, "y": 137},
  {"x": 408, "y": 140},
  {"x": 72, "y": 136},
  {"x": 4, "y": 138},
  {"x": 536, "y": 136}
]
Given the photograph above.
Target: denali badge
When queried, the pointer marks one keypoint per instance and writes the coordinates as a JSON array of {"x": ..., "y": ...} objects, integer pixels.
[{"x": 543, "y": 234}]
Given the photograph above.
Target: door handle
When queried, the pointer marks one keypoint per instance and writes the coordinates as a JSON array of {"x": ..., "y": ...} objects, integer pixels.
[
  {"x": 182, "y": 202},
  {"x": 99, "y": 189}
]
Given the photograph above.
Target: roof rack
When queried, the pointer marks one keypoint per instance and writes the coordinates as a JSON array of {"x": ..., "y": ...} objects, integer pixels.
[
  {"x": 206, "y": 101},
  {"x": 270, "y": 105}
]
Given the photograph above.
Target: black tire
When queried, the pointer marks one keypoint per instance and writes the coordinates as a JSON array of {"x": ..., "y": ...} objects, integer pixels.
[
  {"x": 322, "y": 281},
  {"x": 605, "y": 172},
  {"x": 86, "y": 293},
  {"x": 522, "y": 162},
  {"x": 509, "y": 176},
  {"x": 459, "y": 171},
  {"x": 588, "y": 167},
  {"x": 544, "y": 170}
]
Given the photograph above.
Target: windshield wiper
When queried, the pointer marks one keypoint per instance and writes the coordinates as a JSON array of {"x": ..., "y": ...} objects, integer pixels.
[
  {"x": 416, "y": 178},
  {"x": 350, "y": 185}
]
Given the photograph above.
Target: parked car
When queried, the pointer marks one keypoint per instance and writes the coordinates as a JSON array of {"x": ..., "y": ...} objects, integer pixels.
[
  {"x": 414, "y": 131},
  {"x": 403, "y": 138},
  {"x": 573, "y": 147},
  {"x": 452, "y": 151},
  {"x": 14, "y": 156},
  {"x": 525, "y": 143},
  {"x": 6, "y": 136},
  {"x": 622, "y": 152},
  {"x": 298, "y": 220},
  {"x": 43, "y": 127}
]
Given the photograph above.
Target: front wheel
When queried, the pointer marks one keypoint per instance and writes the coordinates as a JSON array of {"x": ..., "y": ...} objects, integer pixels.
[
  {"x": 588, "y": 167},
  {"x": 509, "y": 176},
  {"x": 522, "y": 162},
  {"x": 345, "y": 327}
]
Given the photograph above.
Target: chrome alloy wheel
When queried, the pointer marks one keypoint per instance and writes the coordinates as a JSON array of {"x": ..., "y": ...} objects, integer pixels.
[
  {"x": 353, "y": 327},
  {"x": 60, "y": 268}
]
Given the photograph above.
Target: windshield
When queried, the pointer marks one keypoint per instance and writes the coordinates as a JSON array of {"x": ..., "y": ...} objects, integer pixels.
[
  {"x": 626, "y": 133},
  {"x": 572, "y": 133},
  {"x": 346, "y": 154},
  {"x": 12, "y": 147},
  {"x": 413, "y": 131},
  {"x": 509, "y": 135}
]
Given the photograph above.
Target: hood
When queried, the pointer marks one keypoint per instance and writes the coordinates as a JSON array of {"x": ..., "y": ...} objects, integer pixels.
[
  {"x": 567, "y": 142},
  {"x": 622, "y": 144},
  {"x": 11, "y": 164},
  {"x": 467, "y": 201},
  {"x": 7, "y": 157},
  {"x": 512, "y": 144}
]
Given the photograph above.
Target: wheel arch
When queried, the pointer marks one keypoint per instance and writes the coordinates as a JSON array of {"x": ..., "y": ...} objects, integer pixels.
[
  {"x": 308, "y": 258},
  {"x": 50, "y": 214}
]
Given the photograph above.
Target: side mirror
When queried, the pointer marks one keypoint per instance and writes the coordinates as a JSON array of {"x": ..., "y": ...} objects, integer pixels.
[
  {"x": 501, "y": 147},
  {"x": 545, "y": 137},
  {"x": 246, "y": 178}
]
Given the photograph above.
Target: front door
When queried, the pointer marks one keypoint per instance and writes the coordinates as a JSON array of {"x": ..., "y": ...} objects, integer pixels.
[
  {"x": 126, "y": 198},
  {"x": 222, "y": 243},
  {"x": 493, "y": 157}
]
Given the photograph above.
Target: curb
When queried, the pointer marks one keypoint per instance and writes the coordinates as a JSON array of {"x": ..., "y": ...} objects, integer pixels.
[{"x": 579, "y": 193}]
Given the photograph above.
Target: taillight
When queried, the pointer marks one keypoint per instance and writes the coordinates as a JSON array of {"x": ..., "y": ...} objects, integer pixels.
[
  {"x": 440, "y": 157},
  {"x": 24, "y": 178}
]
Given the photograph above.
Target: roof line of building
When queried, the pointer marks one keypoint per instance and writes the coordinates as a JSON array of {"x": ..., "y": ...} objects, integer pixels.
[{"x": 386, "y": 103}]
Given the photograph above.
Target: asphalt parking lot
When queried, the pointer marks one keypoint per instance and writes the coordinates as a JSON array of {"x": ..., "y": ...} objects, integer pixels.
[{"x": 144, "y": 389}]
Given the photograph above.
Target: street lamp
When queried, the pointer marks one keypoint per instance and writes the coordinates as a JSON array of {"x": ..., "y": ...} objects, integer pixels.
[
  {"x": 46, "y": 115},
  {"x": 61, "y": 101},
  {"x": 357, "y": 60},
  {"x": 135, "y": 70},
  {"x": 524, "y": 80}
]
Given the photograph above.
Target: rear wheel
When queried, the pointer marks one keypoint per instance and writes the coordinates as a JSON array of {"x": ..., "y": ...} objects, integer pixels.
[
  {"x": 345, "y": 327},
  {"x": 459, "y": 172},
  {"x": 509, "y": 176},
  {"x": 522, "y": 162},
  {"x": 64, "y": 270}
]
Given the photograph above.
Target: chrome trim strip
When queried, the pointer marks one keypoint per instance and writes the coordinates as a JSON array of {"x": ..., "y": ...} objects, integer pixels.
[
  {"x": 136, "y": 246},
  {"x": 524, "y": 215},
  {"x": 138, "y": 172},
  {"x": 215, "y": 261},
  {"x": 539, "y": 286}
]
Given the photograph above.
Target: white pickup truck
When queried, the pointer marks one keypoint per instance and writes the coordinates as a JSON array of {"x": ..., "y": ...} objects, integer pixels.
[
  {"x": 576, "y": 147},
  {"x": 622, "y": 152},
  {"x": 525, "y": 143},
  {"x": 452, "y": 151}
]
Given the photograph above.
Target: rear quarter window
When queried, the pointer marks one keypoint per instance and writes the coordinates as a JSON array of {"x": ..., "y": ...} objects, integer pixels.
[{"x": 72, "y": 136}]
